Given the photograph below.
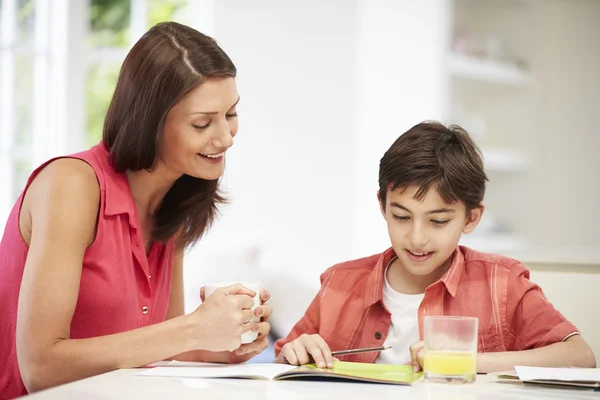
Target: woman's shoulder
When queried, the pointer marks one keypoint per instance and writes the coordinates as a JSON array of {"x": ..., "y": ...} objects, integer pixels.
[
  {"x": 67, "y": 178},
  {"x": 66, "y": 189},
  {"x": 63, "y": 197}
]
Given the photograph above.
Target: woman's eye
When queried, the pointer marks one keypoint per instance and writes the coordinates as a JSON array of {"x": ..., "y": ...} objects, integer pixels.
[{"x": 200, "y": 127}]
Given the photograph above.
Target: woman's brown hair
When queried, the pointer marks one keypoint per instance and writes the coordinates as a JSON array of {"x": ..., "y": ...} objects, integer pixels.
[{"x": 162, "y": 67}]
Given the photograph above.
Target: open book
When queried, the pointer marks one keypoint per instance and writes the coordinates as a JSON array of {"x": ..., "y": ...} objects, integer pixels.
[
  {"x": 342, "y": 371},
  {"x": 580, "y": 378}
]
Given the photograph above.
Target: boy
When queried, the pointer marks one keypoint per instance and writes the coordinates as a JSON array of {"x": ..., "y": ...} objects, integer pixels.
[{"x": 431, "y": 188}]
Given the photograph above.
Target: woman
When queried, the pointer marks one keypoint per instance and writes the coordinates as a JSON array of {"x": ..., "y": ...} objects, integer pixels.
[{"x": 91, "y": 258}]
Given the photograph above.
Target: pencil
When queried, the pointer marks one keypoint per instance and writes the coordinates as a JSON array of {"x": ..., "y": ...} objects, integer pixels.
[{"x": 357, "y": 351}]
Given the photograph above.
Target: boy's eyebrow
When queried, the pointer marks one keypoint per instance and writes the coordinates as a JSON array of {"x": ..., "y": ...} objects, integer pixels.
[
  {"x": 437, "y": 211},
  {"x": 398, "y": 205},
  {"x": 441, "y": 210}
]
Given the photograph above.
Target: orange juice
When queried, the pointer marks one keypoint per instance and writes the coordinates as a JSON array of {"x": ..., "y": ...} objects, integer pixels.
[{"x": 450, "y": 363}]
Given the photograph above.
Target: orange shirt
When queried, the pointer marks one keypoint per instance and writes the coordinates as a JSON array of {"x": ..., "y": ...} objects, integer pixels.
[
  {"x": 514, "y": 314},
  {"x": 120, "y": 288}
]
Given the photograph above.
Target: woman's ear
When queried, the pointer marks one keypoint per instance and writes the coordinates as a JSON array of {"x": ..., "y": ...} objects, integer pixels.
[{"x": 473, "y": 218}]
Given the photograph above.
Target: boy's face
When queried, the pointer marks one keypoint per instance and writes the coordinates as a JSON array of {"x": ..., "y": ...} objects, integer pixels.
[{"x": 425, "y": 233}]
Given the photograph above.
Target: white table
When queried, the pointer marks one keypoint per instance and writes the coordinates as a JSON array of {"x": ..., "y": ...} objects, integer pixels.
[{"x": 122, "y": 384}]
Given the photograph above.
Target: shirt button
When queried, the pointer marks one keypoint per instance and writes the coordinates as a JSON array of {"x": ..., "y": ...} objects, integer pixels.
[
  {"x": 144, "y": 310},
  {"x": 149, "y": 276},
  {"x": 378, "y": 335}
]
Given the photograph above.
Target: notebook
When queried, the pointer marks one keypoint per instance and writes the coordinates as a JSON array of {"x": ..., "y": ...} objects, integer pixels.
[
  {"x": 580, "y": 378},
  {"x": 342, "y": 371}
]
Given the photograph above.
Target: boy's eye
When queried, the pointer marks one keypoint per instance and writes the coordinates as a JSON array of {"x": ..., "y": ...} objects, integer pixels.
[
  {"x": 401, "y": 217},
  {"x": 231, "y": 115},
  {"x": 440, "y": 222}
]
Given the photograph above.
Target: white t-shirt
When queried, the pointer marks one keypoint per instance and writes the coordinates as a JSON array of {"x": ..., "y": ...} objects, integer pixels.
[{"x": 404, "y": 327}]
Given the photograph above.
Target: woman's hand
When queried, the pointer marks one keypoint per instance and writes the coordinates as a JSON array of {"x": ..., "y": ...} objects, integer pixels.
[
  {"x": 219, "y": 322},
  {"x": 263, "y": 312},
  {"x": 245, "y": 352}
]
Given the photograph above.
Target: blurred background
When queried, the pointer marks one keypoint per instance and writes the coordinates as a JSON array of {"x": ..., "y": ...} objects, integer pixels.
[{"x": 326, "y": 87}]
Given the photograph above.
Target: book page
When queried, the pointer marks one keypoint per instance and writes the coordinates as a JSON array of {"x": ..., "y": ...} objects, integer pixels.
[
  {"x": 558, "y": 374},
  {"x": 264, "y": 371},
  {"x": 175, "y": 363}
]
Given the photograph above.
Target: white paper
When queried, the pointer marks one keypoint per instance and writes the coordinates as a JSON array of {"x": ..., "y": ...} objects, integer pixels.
[
  {"x": 264, "y": 371},
  {"x": 558, "y": 374},
  {"x": 175, "y": 363}
]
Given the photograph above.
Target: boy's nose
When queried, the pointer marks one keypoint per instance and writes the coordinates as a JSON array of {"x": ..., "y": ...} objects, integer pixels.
[{"x": 418, "y": 238}]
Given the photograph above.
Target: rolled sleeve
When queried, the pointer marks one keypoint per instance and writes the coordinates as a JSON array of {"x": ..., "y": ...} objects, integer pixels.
[{"x": 534, "y": 322}]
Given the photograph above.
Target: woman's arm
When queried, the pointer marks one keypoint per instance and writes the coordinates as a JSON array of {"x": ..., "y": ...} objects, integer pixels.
[{"x": 62, "y": 203}]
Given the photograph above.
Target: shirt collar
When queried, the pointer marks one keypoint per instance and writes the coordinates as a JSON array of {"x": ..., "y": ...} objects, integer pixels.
[
  {"x": 374, "y": 289},
  {"x": 452, "y": 277},
  {"x": 118, "y": 199}
]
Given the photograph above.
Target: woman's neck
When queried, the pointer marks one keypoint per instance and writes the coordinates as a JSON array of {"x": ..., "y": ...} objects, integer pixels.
[{"x": 149, "y": 188}]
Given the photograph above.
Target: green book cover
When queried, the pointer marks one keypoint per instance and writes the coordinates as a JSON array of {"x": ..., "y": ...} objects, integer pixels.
[{"x": 379, "y": 373}]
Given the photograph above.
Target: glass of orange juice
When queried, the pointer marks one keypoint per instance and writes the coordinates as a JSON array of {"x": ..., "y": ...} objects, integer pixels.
[{"x": 450, "y": 348}]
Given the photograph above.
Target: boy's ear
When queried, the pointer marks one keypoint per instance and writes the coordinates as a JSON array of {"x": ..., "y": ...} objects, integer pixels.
[
  {"x": 473, "y": 218},
  {"x": 381, "y": 205}
]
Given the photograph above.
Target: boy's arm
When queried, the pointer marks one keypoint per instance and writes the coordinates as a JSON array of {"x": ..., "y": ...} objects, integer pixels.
[
  {"x": 573, "y": 352},
  {"x": 542, "y": 336},
  {"x": 308, "y": 324}
]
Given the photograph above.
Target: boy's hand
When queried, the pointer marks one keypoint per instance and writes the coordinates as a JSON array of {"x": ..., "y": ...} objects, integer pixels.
[
  {"x": 417, "y": 354},
  {"x": 300, "y": 351}
]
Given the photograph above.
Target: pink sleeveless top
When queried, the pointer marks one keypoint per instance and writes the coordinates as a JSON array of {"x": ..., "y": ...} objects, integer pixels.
[{"x": 121, "y": 288}]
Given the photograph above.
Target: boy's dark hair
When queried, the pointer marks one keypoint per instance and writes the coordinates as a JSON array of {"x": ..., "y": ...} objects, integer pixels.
[{"x": 432, "y": 155}]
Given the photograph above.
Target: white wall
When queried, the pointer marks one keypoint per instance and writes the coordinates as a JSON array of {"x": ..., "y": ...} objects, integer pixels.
[
  {"x": 567, "y": 187},
  {"x": 400, "y": 82},
  {"x": 288, "y": 175}
]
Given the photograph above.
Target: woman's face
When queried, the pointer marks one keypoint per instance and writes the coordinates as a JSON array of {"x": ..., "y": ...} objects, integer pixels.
[{"x": 199, "y": 129}]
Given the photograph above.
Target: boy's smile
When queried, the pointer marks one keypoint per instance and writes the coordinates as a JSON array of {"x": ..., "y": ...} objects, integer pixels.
[
  {"x": 419, "y": 256},
  {"x": 425, "y": 233}
]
